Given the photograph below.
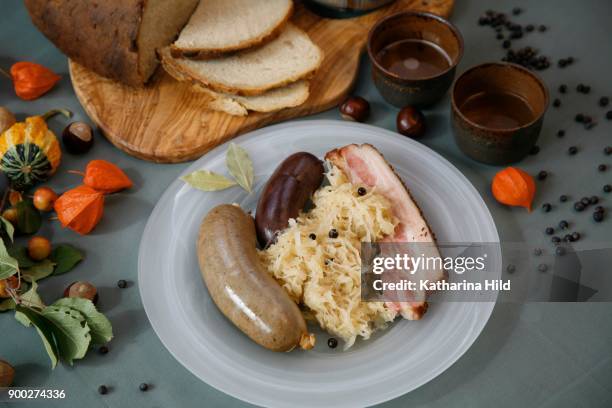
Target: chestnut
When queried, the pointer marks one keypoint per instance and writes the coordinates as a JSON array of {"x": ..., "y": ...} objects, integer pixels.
[
  {"x": 410, "y": 122},
  {"x": 7, "y": 374},
  {"x": 78, "y": 137},
  {"x": 355, "y": 108},
  {"x": 81, "y": 289}
]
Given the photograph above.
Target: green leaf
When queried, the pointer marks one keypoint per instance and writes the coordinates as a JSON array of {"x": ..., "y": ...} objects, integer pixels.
[
  {"x": 207, "y": 181},
  {"x": 101, "y": 328},
  {"x": 8, "y": 265},
  {"x": 38, "y": 271},
  {"x": 240, "y": 166},
  {"x": 28, "y": 217},
  {"x": 31, "y": 297},
  {"x": 70, "y": 330},
  {"x": 44, "y": 329},
  {"x": 8, "y": 227},
  {"x": 65, "y": 257},
  {"x": 6, "y": 305},
  {"x": 21, "y": 255}
]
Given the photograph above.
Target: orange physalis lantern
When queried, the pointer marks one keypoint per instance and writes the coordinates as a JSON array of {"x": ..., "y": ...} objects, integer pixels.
[
  {"x": 105, "y": 177},
  {"x": 80, "y": 209}
]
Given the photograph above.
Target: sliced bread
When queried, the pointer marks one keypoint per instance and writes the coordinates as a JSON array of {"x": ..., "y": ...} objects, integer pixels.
[
  {"x": 286, "y": 59},
  {"x": 276, "y": 99},
  {"x": 288, "y": 96},
  {"x": 222, "y": 26}
]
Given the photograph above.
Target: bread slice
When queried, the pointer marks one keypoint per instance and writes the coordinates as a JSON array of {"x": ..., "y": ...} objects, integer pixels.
[
  {"x": 286, "y": 59},
  {"x": 288, "y": 96},
  {"x": 114, "y": 38},
  {"x": 276, "y": 99},
  {"x": 222, "y": 26}
]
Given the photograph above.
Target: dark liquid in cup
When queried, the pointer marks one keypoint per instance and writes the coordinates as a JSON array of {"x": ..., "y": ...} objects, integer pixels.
[
  {"x": 414, "y": 59},
  {"x": 497, "y": 110}
]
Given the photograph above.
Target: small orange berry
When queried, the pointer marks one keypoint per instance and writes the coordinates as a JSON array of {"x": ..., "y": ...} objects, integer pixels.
[{"x": 39, "y": 248}]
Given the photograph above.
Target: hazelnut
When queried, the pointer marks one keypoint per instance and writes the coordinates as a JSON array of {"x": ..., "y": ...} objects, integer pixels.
[
  {"x": 83, "y": 290},
  {"x": 355, "y": 108},
  {"x": 7, "y": 374},
  {"x": 77, "y": 137},
  {"x": 410, "y": 122},
  {"x": 7, "y": 119}
]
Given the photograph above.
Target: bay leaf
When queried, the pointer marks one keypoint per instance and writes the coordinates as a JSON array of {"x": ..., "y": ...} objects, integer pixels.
[
  {"x": 101, "y": 328},
  {"x": 240, "y": 166},
  {"x": 70, "y": 331},
  {"x": 21, "y": 255},
  {"x": 65, "y": 257},
  {"x": 207, "y": 181}
]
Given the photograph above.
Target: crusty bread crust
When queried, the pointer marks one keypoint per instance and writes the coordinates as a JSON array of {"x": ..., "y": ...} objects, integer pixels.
[
  {"x": 100, "y": 35},
  {"x": 210, "y": 53}
]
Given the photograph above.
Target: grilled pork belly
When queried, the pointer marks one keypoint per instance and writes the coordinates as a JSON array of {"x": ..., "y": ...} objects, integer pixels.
[{"x": 364, "y": 165}]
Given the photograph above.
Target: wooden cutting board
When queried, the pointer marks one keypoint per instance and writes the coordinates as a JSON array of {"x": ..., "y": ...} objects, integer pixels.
[{"x": 167, "y": 122}]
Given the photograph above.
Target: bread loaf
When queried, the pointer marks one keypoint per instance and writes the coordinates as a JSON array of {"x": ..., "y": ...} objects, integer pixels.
[
  {"x": 114, "y": 38},
  {"x": 221, "y": 26}
]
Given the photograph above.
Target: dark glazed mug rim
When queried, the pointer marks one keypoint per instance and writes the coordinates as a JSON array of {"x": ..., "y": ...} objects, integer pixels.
[
  {"x": 535, "y": 76},
  {"x": 432, "y": 16}
]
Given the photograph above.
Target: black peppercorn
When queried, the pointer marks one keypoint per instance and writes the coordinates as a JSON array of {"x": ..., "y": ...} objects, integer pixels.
[
  {"x": 546, "y": 207},
  {"x": 579, "y": 206},
  {"x": 563, "y": 224},
  {"x": 607, "y": 188},
  {"x": 537, "y": 252},
  {"x": 580, "y": 88},
  {"x": 332, "y": 343},
  {"x": 602, "y": 167},
  {"x": 579, "y": 118},
  {"x": 593, "y": 200},
  {"x": 563, "y": 88},
  {"x": 516, "y": 11},
  {"x": 506, "y": 44},
  {"x": 312, "y": 236},
  {"x": 103, "y": 350},
  {"x": 529, "y": 28},
  {"x": 598, "y": 216},
  {"x": 607, "y": 150},
  {"x": 542, "y": 175},
  {"x": 143, "y": 387},
  {"x": 572, "y": 150},
  {"x": 549, "y": 231},
  {"x": 585, "y": 201},
  {"x": 609, "y": 115},
  {"x": 122, "y": 283},
  {"x": 604, "y": 101},
  {"x": 562, "y": 63},
  {"x": 570, "y": 60},
  {"x": 361, "y": 191},
  {"x": 500, "y": 36},
  {"x": 333, "y": 233},
  {"x": 563, "y": 198},
  {"x": 534, "y": 150},
  {"x": 560, "y": 251},
  {"x": 557, "y": 103},
  {"x": 542, "y": 28},
  {"x": 568, "y": 238},
  {"x": 542, "y": 267},
  {"x": 102, "y": 390},
  {"x": 576, "y": 236},
  {"x": 599, "y": 208}
]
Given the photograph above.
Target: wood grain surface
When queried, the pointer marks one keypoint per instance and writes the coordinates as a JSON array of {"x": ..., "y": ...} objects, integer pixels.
[{"x": 167, "y": 122}]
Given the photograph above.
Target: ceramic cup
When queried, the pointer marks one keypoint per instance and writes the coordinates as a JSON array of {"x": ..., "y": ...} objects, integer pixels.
[
  {"x": 419, "y": 92},
  {"x": 498, "y": 145}
]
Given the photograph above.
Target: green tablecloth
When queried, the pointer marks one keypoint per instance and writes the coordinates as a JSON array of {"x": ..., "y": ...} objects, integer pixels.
[{"x": 528, "y": 355}]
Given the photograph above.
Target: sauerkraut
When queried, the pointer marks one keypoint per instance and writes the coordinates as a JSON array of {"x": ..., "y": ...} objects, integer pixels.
[{"x": 324, "y": 273}]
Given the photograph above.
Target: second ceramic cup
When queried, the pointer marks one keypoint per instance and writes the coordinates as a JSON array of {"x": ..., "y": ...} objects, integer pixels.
[{"x": 414, "y": 56}]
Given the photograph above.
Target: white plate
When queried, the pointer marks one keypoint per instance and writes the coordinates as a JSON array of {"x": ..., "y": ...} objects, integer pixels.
[{"x": 396, "y": 361}]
